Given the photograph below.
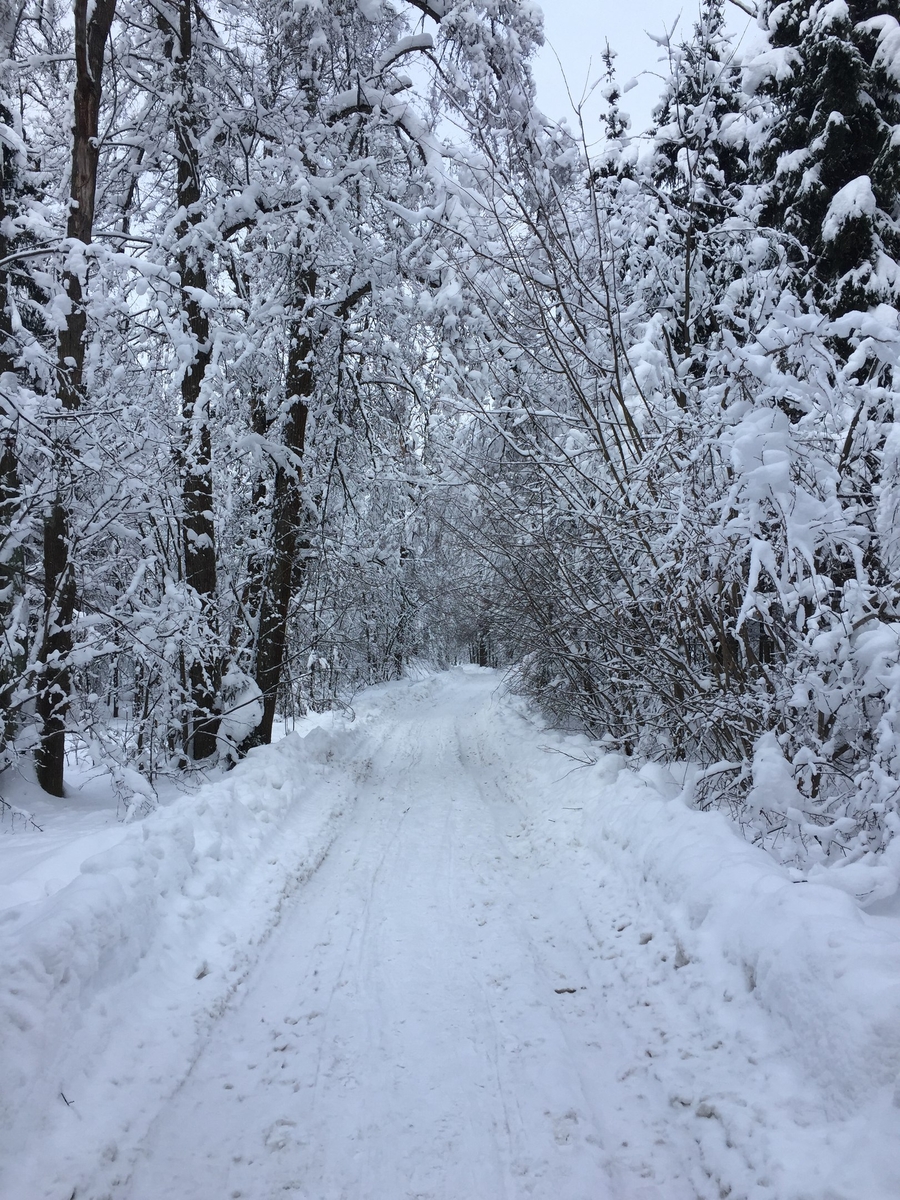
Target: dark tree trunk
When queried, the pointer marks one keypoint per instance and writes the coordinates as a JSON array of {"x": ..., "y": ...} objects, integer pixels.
[
  {"x": 59, "y": 610},
  {"x": 287, "y": 524},
  {"x": 259, "y": 523},
  {"x": 11, "y": 568},
  {"x": 8, "y": 174},
  {"x": 93, "y": 21},
  {"x": 198, "y": 524},
  {"x": 10, "y": 564}
]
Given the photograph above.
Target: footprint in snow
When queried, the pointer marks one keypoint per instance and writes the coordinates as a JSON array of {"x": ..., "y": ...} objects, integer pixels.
[
  {"x": 280, "y": 1136},
  {"x": 564, "y": 1127}
]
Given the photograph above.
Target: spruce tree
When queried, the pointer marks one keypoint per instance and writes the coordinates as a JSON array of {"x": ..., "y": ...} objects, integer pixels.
[
  {"x": 830, "y": 167},
  {"x": 616, "y": 123},
  {"x": 700, "y": 167},
  {"x": 700, "y": 155}
]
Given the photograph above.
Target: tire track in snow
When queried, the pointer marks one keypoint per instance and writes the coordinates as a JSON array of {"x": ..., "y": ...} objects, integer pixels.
[
  {"x": 434, "y": 1079},
  {"x": 410, "y": 1029}
]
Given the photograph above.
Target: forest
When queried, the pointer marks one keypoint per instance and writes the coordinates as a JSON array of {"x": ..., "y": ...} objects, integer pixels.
[{"x": 324, "y": 353}]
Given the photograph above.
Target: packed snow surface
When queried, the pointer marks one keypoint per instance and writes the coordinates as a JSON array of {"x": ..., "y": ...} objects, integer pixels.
[{"x": 433, "y": 950}]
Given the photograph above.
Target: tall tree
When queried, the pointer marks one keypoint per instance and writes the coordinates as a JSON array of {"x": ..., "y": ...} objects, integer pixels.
[
  {"x": 698, "y": 168},
  {"x": 204, "y": 667},
  {"x": 830, "y": 163},
  {"x": 350, "y": 84},
  {"x": 93, "y": 21},
  {"x": 11, "y": 163}
]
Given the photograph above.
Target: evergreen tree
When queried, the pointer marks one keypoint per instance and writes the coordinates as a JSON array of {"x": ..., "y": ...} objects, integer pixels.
[
  {"x": 616, "y": 122},
  {"x": 830, "y": 164},
  {"x": 700, "y": 155},
  {"x": 699, "y": 169}
]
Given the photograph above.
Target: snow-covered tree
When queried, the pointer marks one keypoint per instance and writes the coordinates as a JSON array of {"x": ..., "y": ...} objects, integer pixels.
[
  {"x": 829, "y": 162},
  {"x": 699, "y": 169}
]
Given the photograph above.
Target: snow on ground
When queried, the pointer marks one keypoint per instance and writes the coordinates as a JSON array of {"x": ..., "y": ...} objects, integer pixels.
[
  {"x": 426, "y": 952},
  {"x": 44, "y": 841}
]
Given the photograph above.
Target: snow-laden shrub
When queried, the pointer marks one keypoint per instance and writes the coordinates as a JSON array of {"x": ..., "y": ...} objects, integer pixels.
[{"x": 684, "y": 481}]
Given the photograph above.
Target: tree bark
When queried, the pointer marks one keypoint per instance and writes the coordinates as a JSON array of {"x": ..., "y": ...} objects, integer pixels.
[
  {"x": 198, "y": 522},
  {"x": 8, "y": 175},
  {"x": 12, "y": 662},
  {"x": 287, "y": 523},
  {"x": 93, "y": 20},
  {"x": 10, "y": 564}
]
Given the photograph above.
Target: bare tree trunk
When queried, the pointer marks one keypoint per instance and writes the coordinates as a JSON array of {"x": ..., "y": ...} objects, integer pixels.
[
  {"x": 10, "y": 564},
  {"x": 242, "y": 631},
  {"x": 12, "y": 662},
  {"x": 198, "y": 523},
  {"x": 287, "y": 522},
  {"x": 288, "y": 535},
  {"x": 8, "y": 174},
  {"x": 93, "y": 20}
]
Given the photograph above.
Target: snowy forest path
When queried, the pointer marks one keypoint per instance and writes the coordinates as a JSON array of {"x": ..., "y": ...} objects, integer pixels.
[
  {"x": 405, "y": 1033},
  {"x": 431, "y": 1018},
  {"x": 466, "y": 1002}
]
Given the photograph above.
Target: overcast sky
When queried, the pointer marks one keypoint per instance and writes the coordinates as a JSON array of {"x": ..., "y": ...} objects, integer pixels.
[{"x": 578, "y": 31}]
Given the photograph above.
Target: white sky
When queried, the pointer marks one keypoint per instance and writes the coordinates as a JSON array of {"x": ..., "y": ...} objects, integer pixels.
[{"x": 578, "y": 31}]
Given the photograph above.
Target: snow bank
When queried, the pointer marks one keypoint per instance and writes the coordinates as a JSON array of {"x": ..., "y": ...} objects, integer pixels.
[
  {"x": 827, "y": 972},
  {"x": 151, "y": 897}
]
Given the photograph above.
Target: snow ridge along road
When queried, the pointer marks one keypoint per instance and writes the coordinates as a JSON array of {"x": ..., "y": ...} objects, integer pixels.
[{"x": 477, "y": 970}]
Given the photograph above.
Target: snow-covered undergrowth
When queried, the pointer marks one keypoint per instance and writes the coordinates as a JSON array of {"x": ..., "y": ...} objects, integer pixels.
[
  {"x": 185, "y": 895},
  {"x": 827, "y": 972},
  {"x": 799, "y": 965}
]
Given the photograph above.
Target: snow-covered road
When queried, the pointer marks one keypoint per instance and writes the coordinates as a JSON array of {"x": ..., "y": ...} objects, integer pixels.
[
  {"x": 403, "y": 1035},
  {"x": 469, "y": 992}
]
